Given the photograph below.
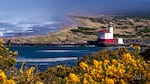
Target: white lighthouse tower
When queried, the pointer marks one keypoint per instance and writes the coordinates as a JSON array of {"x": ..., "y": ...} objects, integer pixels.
[
  {"x": 106, "y": 35},
  {"x": 110, "y": 27},
  {"x": 111, "y": 30}
]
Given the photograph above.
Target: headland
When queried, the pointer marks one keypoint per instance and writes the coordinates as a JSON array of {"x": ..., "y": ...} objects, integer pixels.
[{"x": 134, "y": 30}]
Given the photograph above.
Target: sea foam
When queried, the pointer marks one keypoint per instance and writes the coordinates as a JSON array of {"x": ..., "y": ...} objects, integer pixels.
[{"x": 45, "y": 59}]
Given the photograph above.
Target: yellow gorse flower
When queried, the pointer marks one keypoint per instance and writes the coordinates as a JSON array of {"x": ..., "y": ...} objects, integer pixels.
[
  {"x": 137, "y": 47},
  {"x": 3, "y": 79},
  {"x": 21, "y": 71},
  {"x": 106, "y": 62},
  {"x": 95, "y": 62},
  {"x": 29, "y": 73},
  {"x": 74, "y": 78},
  {"x": 15, "y": 53},
  {"x": 2, "y": 76},
  {"x": 83, "y": 65},
  {"x": 148, "y": 76},
  {"x": 1, "y": 41},
  {"x": 85, "y": 81},
  {"x": 122, "y": 82},
  {"x": 114, "y": 61},
  {"x": 109, "y": 81},
  {"x": 39, "y": 82},
  {"x": 127, "y": 57},
  {"x": 10, "y": 81}
]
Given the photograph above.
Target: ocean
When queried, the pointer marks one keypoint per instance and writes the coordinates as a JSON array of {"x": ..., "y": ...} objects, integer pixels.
[{"x": 47, "y": 56}]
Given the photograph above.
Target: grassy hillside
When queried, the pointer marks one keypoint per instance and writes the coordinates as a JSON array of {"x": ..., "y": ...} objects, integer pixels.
[{"x": 87, "y": 27}]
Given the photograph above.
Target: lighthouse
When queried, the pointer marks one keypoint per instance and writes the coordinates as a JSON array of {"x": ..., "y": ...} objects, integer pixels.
[
  {"x": 110, "y": 28},
  {"x": 106, "y": 35}
]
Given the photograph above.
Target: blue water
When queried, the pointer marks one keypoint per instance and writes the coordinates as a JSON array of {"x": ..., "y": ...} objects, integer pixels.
[{"x": 46, "y": 56}]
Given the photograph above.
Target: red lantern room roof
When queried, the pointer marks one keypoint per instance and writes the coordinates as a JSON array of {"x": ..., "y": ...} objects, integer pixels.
[{"x": 103, "y": 31}]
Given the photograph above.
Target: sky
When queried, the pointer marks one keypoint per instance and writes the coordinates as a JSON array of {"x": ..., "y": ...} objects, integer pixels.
[{"x": 38, "y": 16}]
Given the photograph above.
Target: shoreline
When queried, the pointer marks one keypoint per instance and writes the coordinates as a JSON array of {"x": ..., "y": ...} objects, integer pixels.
[
  {"x": 77, "y": 44},
  {"x": 84, "y": 33}
]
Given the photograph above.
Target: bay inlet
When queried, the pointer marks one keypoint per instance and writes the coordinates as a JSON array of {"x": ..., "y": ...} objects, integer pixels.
[{"x": 47, "y": 56}]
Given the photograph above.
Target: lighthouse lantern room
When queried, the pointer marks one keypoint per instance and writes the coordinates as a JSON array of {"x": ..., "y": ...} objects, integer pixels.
[{"x": 106, "y": 36}]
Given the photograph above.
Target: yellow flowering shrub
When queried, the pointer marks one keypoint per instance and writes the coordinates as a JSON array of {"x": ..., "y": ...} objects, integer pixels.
[
  {"x": 9, "y": 74},
  {"x": 83, "y": 65},
  {"x": 109, "y": 81},
  {"x": 10, "y": 81},
  {"x": 122, "y": 66},
  {"x": 2, "y": 75},
  {"x": 4, "y": 80},
  {"x": 39, "y": 82},
  {"x": 73, "y": 78}
]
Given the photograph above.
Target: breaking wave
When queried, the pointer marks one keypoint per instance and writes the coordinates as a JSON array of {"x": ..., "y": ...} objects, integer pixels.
[
  {"x": 61, "y": 51},
  {"x": 45, "y": 59}
]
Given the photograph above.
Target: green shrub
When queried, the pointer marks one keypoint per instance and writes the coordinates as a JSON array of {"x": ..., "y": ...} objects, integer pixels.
[
  {"x": 86, "y": 28},
  {"x": 145, "y": 30}
]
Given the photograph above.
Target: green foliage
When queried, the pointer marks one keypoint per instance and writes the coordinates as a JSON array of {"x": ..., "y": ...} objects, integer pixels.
[
  {"x": 104, "y": 55},
  {"x": 145, "y": 30},
  {"x": 130, "y": 23},
  {"x": 100, "y": 20},
  {"x": 84, "y": 30},
  {"x": 102, "y": 27},
  {"x": 124, "y": 36},
  {"x": 76, "y": 31},
  {"x": 146, "y": 35},
  {"x": 146, "y": 54},
  {"x": 119, "y": 24},
  {"x": 7, "y": 58}
]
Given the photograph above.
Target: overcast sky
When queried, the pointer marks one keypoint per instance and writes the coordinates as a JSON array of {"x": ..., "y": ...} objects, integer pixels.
[{"x": 46, "y": 9}]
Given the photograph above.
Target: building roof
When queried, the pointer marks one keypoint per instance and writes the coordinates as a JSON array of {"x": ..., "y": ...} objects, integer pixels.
[{"x": 104, "y": 31}]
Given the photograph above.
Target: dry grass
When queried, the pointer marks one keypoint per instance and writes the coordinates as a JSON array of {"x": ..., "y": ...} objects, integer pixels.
[{"x": 126, "y": 27}]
